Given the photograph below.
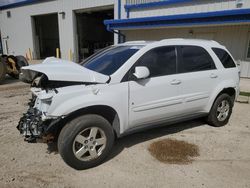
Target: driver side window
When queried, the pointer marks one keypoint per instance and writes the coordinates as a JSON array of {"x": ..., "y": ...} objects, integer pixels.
[{"x": 160, "y": 61}]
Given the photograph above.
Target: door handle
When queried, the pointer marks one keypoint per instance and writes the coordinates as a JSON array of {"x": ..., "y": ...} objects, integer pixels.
[
  {"x": 213, "y": 75},
  {"x": 175, "y": 82}
]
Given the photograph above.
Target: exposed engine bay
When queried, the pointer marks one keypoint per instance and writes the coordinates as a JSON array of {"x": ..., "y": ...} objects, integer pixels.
[
  {"x": 53, "y": 82},
  {"x": 30, "y": 125},
  {"x": 34, "y": 124}
]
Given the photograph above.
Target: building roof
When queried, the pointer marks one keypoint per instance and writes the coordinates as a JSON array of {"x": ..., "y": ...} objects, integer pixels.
[{"x": 5, "y": 4}]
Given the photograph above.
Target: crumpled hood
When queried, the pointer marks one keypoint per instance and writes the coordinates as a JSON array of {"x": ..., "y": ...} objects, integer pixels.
[{"x": 62, "y": 70}]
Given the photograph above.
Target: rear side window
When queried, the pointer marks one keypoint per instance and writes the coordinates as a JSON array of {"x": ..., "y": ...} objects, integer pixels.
[
  {"x": 194, "y": 58},
  {"x": 160, "y": 61},
  {"x": 224, "y": 57}
]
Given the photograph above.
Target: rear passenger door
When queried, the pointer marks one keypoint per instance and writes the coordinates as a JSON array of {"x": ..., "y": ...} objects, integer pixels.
[{"x": 198, "y": 76}]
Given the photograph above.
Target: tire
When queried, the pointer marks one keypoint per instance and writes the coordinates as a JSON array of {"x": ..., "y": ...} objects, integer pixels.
[
  {"x": 13, "y": 74},
  {"x": 3, "y": 70},
  {"x": 219, "y": 115},
  {"x": 72, "y": 144},
  {"x": 16, "y": 76},
  {"x": 21, "y": 61}
]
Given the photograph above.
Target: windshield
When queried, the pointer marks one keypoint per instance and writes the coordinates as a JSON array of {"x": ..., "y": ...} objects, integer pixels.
[{"x": 109, "y": 60}]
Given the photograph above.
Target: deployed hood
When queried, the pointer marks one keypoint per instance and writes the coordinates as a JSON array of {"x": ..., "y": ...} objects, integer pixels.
[{"x": 61, "y": 70}]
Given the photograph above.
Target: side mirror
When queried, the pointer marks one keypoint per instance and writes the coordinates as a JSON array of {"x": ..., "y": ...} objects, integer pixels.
[{"x": 141, "y": 72}]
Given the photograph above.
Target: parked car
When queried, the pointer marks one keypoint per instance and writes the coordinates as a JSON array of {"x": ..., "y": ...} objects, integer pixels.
[{"x": 125, "y": 88}]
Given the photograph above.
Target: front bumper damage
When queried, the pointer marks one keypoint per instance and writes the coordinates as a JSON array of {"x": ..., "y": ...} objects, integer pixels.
[
  {"x": 30, "y": 125},
  {"x": 34, "y": 126}
]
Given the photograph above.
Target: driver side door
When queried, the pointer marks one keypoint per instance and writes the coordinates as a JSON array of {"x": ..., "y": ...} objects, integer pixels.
[{"x": 156, "y": 98}]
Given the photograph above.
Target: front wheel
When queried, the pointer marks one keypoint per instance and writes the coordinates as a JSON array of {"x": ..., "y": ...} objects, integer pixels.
[
  {"x": 85, "y": 141},
  {"x": 220, "y": 111}
]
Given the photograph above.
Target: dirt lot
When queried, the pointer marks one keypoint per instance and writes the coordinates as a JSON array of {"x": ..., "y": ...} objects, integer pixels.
[{"x": 224, "y": 159}]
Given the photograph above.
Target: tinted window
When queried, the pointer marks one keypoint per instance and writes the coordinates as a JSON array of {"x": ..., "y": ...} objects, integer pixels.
[
  {"x": 194, "y": 58},
  {"x": 160, "y": 61},
  {"x": 224, "y": 57},
  {"x": 111, "y": 59}
]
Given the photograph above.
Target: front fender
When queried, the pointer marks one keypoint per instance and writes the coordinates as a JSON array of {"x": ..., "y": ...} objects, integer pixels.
[{"x": 75, "y": 98}]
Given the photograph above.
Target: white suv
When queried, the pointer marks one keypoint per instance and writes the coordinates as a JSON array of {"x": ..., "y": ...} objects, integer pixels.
[{"x": 125, "y": 88}]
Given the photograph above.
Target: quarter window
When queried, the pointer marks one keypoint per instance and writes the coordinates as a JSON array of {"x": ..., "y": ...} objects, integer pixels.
[
  {"x": 194, "y": 58},
  {"x": 160, "y": 61},
  {"x": 224, "y": 57}
]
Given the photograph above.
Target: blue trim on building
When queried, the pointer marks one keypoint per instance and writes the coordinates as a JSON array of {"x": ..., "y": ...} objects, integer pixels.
[
  {"x": 18, "y": 4},
  {"x": 119, "y": 9},
  {"x": 127, "y": 11},
  {"x": 207, "y": 18},
  {"x": 119, "y": 17}
]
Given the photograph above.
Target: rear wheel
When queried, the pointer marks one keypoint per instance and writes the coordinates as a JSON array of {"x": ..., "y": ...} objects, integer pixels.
[
  {"x": 85, "y": 141},
  {"x": 220, "y": 111}
]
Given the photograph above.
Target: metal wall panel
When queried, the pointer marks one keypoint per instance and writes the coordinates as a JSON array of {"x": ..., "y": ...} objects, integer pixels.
[
  {"x": 194, "y": 6},
  {"x": 19, "y": 26},
  {"x": 233, "y": 37}
]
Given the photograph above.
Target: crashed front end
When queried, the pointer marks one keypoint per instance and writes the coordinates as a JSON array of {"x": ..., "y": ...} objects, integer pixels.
[
  {"x": 53, "y": 82},
  {"x": 35, "y": 124}
]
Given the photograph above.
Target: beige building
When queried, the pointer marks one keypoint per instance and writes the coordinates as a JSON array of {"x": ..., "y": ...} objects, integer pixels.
[{"x": 77, "y": 25}]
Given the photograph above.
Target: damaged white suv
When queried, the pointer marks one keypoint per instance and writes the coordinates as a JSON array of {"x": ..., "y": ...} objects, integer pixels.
[{"x": 125, "y": 88}]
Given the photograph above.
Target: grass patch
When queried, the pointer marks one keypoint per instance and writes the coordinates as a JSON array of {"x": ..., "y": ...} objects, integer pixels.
[
  {"x": 173, "y": 151},
  {"x": 244, "y": 93}
]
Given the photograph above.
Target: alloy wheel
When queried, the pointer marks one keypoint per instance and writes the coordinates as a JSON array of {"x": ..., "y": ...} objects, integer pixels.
[
  {"x": 89, "y": 144},
  {"x": 223, "y": 110}
]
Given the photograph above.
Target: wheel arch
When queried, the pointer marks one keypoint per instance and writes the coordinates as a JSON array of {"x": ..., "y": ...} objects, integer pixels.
[
  {"x": 105, "y": 111},
  {"x": 231, "y": 91}
]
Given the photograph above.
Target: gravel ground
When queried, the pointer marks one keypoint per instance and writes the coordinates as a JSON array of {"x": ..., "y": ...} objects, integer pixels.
[
  {"x": 224, "y": 159},
  {"x": 245, "y": 84}
]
